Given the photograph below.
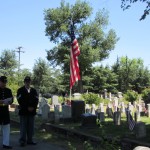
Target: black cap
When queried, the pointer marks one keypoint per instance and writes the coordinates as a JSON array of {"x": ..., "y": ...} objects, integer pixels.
[
  {"x": 27, "y": 79},
  {"x": 3, "y": 79}
]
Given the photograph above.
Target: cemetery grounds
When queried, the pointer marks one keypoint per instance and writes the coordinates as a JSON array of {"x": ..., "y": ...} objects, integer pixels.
[{"x": 105, "y": 129}]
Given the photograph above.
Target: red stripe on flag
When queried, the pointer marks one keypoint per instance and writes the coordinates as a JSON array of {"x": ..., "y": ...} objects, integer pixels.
[{"x": 74, "y": 65}]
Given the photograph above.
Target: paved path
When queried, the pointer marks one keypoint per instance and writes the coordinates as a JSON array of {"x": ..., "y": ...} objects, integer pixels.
[{"x": 41, "y": 145}]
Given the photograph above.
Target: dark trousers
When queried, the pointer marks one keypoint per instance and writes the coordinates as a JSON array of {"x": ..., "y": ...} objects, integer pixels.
[{"x": 26, "y": 128}]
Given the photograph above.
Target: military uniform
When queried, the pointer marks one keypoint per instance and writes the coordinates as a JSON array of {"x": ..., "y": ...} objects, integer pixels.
[
  {"x": 4, "y": 110},
  {"x": 27, "y": 98},
  {"x": 6, "y": 98}
]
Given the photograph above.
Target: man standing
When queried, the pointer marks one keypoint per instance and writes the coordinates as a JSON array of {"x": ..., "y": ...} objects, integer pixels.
[
  {"x": 6, "y": 99},
  {"x": 28, "y": 100}
]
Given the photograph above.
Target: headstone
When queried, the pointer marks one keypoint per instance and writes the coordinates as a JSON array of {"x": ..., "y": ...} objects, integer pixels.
[
  {"x": 55, "y": 100},
  {"x": 109, "y": 111},
  {"x": 122, "y": 107},
  {"x": 42, "y": 102},
  {"x": 110, "y": 98},
  {"x": 77, "y": 96},
  {"x": 139, "y": 99},
  {"x": 16, "y": 109},
  {"x": 45, "y": 111},
  {"x": 141, "y": 148},
  {"x": 139, "y": 107},
  {"x": 134, "y": 104},
  {"x": 105, "y": 93},
  {"x": 88, "y": 120},
  {"x": 39, "y": 112},
  {"x": 137, "y": 116},
  {"x": 77, "y": 109},
  {"x": 102, "y": 116},
  {"x": 66, "y": 111},
  {"x": 87, "y": 108},
  {"x": 140, "y": 130},
  {"x": 51, "y": 116},
  {"x": 130, "y": 107},
  {"x": 117, "y": 118},
  {"x": 120, "y": 95},
  {"x": 57, "y": 113},
  {"x": 115, "y": 103},
  {"x": 93, "y": 108},
  {"x": 148, "y": 110},
  {"x": 101, "y": 107},
  {"x": 138, "y": 112}
]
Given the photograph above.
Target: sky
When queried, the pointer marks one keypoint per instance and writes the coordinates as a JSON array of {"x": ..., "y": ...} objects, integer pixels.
[{"x": 22, "y": 24}]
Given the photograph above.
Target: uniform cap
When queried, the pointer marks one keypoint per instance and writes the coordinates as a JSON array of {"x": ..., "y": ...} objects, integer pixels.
[
  {"x": 27, "y": 78},
  {"x": 3, "y": 79}
]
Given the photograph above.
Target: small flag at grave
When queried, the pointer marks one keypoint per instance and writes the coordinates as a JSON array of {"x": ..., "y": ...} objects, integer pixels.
[
  {"x": 131, "y": 122},
  {"x": 74, "y": 65}
]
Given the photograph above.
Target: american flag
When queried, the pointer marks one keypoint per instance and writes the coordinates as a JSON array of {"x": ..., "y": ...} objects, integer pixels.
[
  {"x": 74, "y": 65},
  {"x": 131, "y": 122}
]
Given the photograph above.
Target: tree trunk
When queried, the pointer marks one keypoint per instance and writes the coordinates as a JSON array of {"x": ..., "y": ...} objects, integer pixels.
[{"x": 80, "y": 86}]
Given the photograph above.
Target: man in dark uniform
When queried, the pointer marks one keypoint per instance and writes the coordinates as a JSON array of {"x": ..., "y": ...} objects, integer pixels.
[
  {"x": 6, "y": 99},
  {"x": 28, "y": 100}
]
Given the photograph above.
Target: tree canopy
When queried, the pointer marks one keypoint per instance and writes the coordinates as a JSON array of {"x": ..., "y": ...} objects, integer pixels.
[
  {"x": 94, "y": 39},
  {"x": 127, "y": 4}
]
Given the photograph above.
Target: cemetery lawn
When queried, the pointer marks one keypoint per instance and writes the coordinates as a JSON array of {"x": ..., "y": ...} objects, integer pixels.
[{"x": 107, "y": 129}]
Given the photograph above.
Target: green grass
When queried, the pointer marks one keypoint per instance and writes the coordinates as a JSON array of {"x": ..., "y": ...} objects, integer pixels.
[{"x": 105, "y": 129}]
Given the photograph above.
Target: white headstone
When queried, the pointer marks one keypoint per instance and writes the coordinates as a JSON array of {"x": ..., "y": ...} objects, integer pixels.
[
  {"x": 134, "y": 104},
  {"x": 141, "y": 148},
  {"x": 122, "y": 107},
  {"x": 115, "y": 103},
  {"x": 148, "y": 110},
  {"x": 101, "y": 107},
  {"x": 55, "y": 100},
  {"x": 110, "y": 96},
  {"x": 130, "y": 107},
  {"x": 120, "y": 95},
  {"x": 77, "y": 96},
  {"x": 93, "y": 108},
  {"x": 139, "y": 108},
  {"x": 87, "y": 106}
]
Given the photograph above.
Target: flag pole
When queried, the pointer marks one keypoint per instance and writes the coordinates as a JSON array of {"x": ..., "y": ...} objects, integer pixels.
[{"x": 70, "y": 94}]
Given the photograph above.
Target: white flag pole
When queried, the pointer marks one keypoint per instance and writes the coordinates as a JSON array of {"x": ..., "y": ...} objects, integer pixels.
[{"x": 70, "y": 94}]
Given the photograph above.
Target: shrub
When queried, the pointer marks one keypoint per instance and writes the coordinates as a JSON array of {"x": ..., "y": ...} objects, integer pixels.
[
  {"x": 131, "y": 96},
  {"x": 146, "y": 95},
  {"x": 92, "y": 98}
]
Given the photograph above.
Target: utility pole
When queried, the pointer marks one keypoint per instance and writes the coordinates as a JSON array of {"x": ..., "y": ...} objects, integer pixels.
[{"x": 19, "y": 51}]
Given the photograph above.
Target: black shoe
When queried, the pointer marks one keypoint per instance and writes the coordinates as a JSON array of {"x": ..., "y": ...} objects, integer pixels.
[
  {"x": 22, "y": 144},
  {"x": 7, "y": 147},
  {"x": 31, "y": 143}
]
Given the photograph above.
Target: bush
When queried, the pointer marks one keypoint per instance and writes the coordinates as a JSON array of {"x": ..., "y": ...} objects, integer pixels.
[
  {"x": 131, "y": 96},
  {"x": 92, "y": 98},
  {"x": 146, "y": 95}
]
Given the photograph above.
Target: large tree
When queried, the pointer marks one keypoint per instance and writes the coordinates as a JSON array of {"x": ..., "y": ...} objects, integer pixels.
[
  {"x": 45, "y": 79},
  {"x": 103, "y": 78},
  {"x": 127, "y": 4},
  {"x": 132, "y": 75},
  {"x": 95, "y": 42},
  {"x": 8, "y": 62}
]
